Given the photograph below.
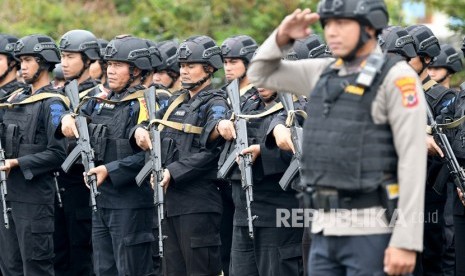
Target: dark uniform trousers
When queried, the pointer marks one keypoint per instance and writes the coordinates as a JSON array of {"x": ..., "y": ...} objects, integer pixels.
[
  {"x": 72, "y": 237},
  {"x": 156, "y": 259},
  {"x": 30, "y": 232},
  {"x": 273, "y": 251},
  {"x": 347, "y": 255},
  {"x": 226, "y": 228},
  {"x": 192, "y": 246},
  {"x": 120, "y": 247},
  {"x": 459, "y": 225}
]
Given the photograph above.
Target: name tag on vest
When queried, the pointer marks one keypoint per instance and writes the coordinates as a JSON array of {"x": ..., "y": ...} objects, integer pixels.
[
  {"x": 108, "y": 106},
  {"x": 180, "y": 113}
]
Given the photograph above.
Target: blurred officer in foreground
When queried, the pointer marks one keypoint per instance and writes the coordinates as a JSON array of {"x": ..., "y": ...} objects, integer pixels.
[{"x": 364, "y": 139}]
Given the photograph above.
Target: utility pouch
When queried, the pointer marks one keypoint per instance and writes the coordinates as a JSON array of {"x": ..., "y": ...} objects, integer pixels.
[
  {"x": 389, "y": 196},
  {"x": 12, "y": 141}
]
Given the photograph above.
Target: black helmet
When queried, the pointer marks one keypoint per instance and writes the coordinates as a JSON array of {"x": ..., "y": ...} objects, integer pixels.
[
  {"x": 102, "y": 43},
  {"x": 168, "y": 50},
  {"x": 426, "y": 44},
  {"x": 155, "y": 56},
  {"x": 129, "y": 49},
  {"x": 40, "y": 46},
  {"x": 240, "y": 46},
  {"x": 7, "y": 45},
  {"x": 80, "y": 41},
  {"x": 58, "y": 72},
  {"x": 395, "y": 39},
  {"x": 449, "y": 58},
  {"x": 200, "y": 49},
  {"x": 310, "y": 47},
  {"x": 368, "y": 12}
]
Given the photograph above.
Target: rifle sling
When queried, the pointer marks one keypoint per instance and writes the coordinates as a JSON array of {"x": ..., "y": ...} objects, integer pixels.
[
  {"x": 36, "y": 98},
  {"x": 168, "y": 112},
  {"x": 136, "y": 95},
  {"x": 272, "y": 110},
  {"x": 428, "y": 85},
  {"x": 17, "y": 91},
  {"x": 186, "y": 128}
]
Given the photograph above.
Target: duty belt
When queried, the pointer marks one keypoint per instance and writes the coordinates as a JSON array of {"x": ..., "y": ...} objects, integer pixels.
[{"x": 329, "y": 199}]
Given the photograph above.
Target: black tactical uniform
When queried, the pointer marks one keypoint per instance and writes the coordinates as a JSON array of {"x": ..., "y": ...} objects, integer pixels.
[
  {"x": 440, "y": 100},
  {"x": 192, "y": 200},
  {"x": 72, "y": 238},
  {"x": 28, "y": 136},
  {"x": 274, "y": 250},
  {"x": 458, "y": 146},
  {"x": 240, "y": 47},
  {"x": 122, "y": 225}
]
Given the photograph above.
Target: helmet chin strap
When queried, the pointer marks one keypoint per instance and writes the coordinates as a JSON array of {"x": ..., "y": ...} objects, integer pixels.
[
  {"x": 444, "y": 78},
  {"x": 190, "y": 86},
  {"x": 83, "y": 69},
  {"x": 424, "y": 65},
  {"x": 7, "y": 71},
  {"x": 41, "y": 68},
  {"x": 363, "y": 38}
]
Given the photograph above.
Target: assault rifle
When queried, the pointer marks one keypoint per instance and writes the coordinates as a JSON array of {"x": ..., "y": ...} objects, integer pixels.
[
  {"x": 457, "y": 172},
  {"x": 245, "y": 160},
  {"x": 296, "y": 135},
  {"x": 83, "y": 148},
  {"x": 3, "y": 188},
  {"x": 154, "y": 165}
]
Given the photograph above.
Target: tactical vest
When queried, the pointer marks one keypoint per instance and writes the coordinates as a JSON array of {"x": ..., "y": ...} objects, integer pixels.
[
  {"x": 113, "y": 122},
  {"x": 256, "y": 131},
  {"x": 188, "y": 113},
  {"x": 458, "y": 142},
  {"x": 342, "y": 147},
  {"x": 435, "y": 95},
  {"x": 20, "y": 124}
]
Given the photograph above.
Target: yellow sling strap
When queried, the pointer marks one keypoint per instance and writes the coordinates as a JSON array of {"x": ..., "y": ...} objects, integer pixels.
[
  {"x": 291, "y": 116},
  {"x": 85, "y": 92},
  {"x": 428, "y": 85},
  {"x": 130, "y": 97},
  {"x": 36, "y": 98},
  {"x": 17, "y": 91},
  {"x": 186, "y": 128},
  {"x": 245, "y": 89},
  {"x": 272, "y": 110},
  {"x": 170, "y": 109}
]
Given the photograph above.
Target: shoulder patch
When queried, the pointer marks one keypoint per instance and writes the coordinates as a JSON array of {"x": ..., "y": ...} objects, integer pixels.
[
  {"x": 408, "y": 89},
  {"x": 56, "y": 110},
  {"x": 218, "y": 112}
]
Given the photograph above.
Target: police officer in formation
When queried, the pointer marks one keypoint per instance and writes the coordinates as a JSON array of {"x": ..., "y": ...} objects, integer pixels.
[
  {"x": 440, "y": 100},
  {"x": 122, "y": 225},
  {"x": 190, "y": 142},
  {"x": 32, "y": 155},
  {"x": 441, "y": 70},
  {"x": 237, "y": 52},
  {"x": 458, "y": 203},
  {"x": 364, "y": 137},
  {"x": 73, "y": 222}
]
